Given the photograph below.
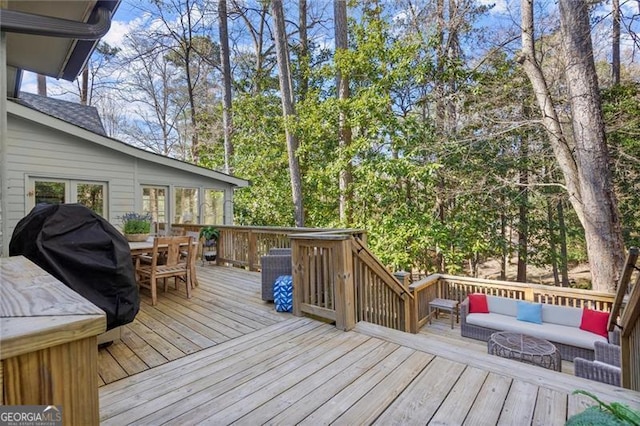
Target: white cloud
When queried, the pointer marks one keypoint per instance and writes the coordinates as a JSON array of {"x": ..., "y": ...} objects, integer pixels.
[
  {"x": 117, "y": 32},
  {"x": 500, "y": 6}
]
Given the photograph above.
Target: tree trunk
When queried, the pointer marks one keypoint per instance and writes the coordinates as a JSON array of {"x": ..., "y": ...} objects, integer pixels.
[
  {"x": 288, "y": 108},
  {"x": 227, "y": 112},
  {"x": 602, "y": 228},
  {"x": 552, "y": 242},
  {"x": 342, "y": 83},
  {"x": 505, "y": 253},
  {"x": 615, "y": 48},
  {"x": 523, "y": 223},
  {"x": 564, "y": 272},
  {"x": 84, "y": 92},
  {"x": 550, "y": 120},
  {"x": 42, "y": 85},
  {"x": 586, "y": 173},
  {"x": 304, "y": 50}
]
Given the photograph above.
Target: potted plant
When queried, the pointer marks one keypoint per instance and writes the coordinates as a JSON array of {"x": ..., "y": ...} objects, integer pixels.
[
  {"x": 135, "y": 226},
  {"x": 210, "y": 235},
  {"x": 604, "y": 414}
]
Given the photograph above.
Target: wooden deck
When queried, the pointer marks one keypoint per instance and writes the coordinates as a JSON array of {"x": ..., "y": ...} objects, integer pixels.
[
  {"x": 225, "y": 306},
  {"x": 278, "y": 369}
]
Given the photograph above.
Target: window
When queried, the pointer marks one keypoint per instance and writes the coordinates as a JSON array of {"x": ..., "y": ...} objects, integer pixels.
[
  {"x": 91, "y": 195},
  {"x": 213, "y": 208},
  {"x": 59, "y": 191},
  {"x": 154, "y": 201},
  {"x": 186, "y": 205},
  {"x": 50, "y": 192}
]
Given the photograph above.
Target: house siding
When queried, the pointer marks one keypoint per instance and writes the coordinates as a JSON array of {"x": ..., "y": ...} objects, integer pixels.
[{"x": 36, "y": 150}]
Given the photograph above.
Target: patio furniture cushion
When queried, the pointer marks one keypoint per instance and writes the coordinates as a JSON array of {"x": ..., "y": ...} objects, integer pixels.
[
  {"x": 560, "y": 325},
  {"x": 283, "y": 293},
  {"x": 478, "y": 304},
  {"x": 273, "y": 265},
  {"x": 529, "y": 312},
  {"x": 595, "y": 322},
  {"x": 553, "y": 332}
]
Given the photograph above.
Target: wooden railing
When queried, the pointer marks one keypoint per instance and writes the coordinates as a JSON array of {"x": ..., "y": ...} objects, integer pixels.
[
  {"x": 457, "y": 288},
  {"x": 629, "y": 321},
  {"x": 630, "y": 341},
  {"x": 243, "y": 246},
  {"x": 337, "y": 278}
]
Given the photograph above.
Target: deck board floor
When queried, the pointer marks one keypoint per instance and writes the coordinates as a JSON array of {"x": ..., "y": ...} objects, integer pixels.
[{"x": 280, "y": 369}]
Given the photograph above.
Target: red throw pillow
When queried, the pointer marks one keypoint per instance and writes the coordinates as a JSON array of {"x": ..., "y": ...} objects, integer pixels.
[
  {"x": 478, "y": 303},
  {"x": 595, "y": 322}
]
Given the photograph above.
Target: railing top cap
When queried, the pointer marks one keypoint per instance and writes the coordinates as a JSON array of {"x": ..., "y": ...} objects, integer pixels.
[{"x": 320, "y": 236}]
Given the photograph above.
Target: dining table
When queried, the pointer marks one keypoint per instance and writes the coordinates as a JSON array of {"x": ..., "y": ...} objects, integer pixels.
[{"x": 139, "y": 248}]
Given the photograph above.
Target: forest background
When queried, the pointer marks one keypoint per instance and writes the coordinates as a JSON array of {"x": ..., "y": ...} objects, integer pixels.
[{"x": 411, "y": 119}]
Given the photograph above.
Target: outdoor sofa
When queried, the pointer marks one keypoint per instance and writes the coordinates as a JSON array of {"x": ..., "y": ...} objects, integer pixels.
[{"x": 559, "y": 324}]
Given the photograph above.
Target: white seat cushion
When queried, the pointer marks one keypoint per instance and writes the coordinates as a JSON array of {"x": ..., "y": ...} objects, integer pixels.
[{"x": 559, "y": 333}]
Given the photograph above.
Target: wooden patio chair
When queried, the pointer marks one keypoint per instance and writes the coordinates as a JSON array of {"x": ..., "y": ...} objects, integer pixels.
[{"x": 177, "y": 264}]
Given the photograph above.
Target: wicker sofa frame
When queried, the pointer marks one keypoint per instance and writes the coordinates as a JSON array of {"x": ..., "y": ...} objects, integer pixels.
[
  {"x": 567, "y": 352},
  {"x": 606, "y": 370},
  {"x": 272, "y": 265}
]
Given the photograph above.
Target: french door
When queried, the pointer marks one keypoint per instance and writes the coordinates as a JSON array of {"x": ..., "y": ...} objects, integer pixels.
[{"x": 59, "y": 191}]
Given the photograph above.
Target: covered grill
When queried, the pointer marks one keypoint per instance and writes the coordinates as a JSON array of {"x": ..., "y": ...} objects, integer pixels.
[{"x": 85, "y": 252}]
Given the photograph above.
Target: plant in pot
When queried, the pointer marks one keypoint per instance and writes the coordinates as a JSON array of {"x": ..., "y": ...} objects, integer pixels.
[
  {"x": 209, "y": 235},
  {"x": 135, "y": 226}
]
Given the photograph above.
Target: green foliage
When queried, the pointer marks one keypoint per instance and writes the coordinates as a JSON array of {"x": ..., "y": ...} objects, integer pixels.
[
  {"x": 432, "y": 188},
  {"x": 604, "y": 414},
  {"x": 621, "y": 108},
  {"x": 135, "y": 223},
  {"x": 209, "y": 233}
]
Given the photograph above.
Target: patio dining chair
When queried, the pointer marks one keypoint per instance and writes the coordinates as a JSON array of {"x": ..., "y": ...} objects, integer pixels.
[{"x": 177, "y": 264}]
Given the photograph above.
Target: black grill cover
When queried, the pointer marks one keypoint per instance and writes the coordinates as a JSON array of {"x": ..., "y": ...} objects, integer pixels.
[{"x": 85, "y": 252}]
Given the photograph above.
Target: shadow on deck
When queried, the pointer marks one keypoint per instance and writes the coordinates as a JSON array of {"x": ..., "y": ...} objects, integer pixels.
[{"x": 274, "y": 368}]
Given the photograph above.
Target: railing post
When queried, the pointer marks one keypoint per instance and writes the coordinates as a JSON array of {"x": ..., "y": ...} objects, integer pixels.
[
  {"x": 253, "y": 251},
  {"x": 298, "y": 277},
  {"x": 528, "y": 294},
  {"x": 345, "y": 287},
  {"x": 219, "y": 247}
]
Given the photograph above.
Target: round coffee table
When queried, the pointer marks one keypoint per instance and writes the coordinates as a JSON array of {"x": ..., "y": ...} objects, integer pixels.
[{"x": 524, "y": 348}]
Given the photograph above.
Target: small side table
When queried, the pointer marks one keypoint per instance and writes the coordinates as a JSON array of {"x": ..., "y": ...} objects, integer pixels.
[{"x": 450, "y": 306}]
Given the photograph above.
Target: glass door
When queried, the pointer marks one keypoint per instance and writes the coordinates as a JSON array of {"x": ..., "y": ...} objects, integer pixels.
[{"x": 59, "y": 191}]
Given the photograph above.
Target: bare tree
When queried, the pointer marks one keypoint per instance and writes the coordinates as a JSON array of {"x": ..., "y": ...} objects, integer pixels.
[
  {"x": 615, "y": 40},
  {"x": 585, "y": 166},
  {"x": 152, "y": 88},
  {"x": 183, "y": 33},
  {"x": 344, "y": 130},
  {"x": 260, "y": 63},
  {"x": 42, "y": 85},
  {"x": 288, "y": 107},
  {"x": 227, "y": 113}
]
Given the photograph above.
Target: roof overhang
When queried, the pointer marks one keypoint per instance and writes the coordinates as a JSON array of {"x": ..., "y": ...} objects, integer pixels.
[
  {"x": 60, "y": 51},
  {"x": 24, "y": 112}
]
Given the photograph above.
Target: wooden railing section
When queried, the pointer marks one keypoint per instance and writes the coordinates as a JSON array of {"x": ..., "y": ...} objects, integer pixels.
[
  {"x": 337, "y": 278},
  {"x": 380, "y": 297},
  {"x": 629, "y": 321},
  {"x": 457, "y": 288},
  {"x": 243, "y": 246},
  {"x": 630, "y": 341}
]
